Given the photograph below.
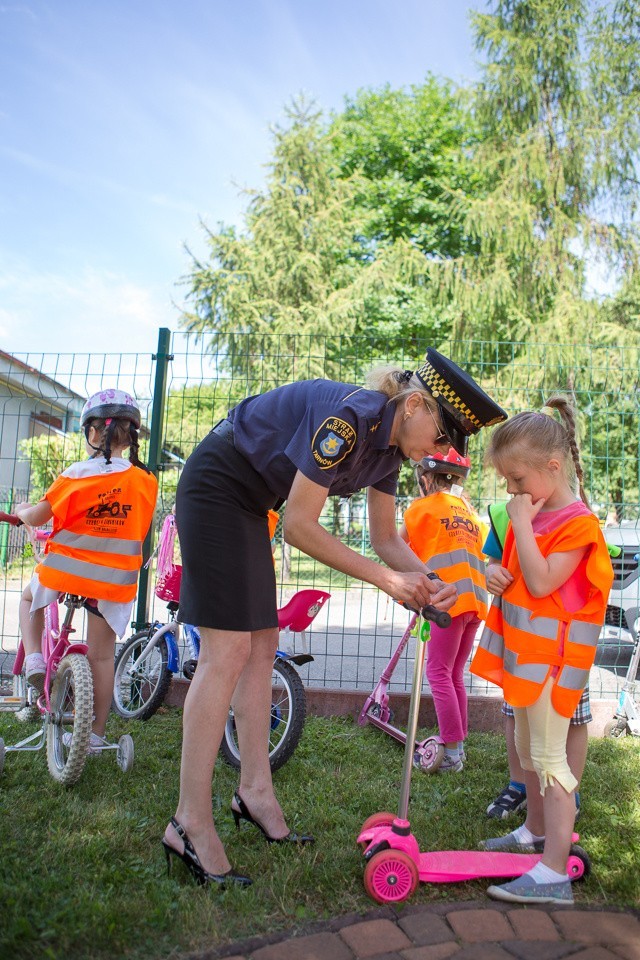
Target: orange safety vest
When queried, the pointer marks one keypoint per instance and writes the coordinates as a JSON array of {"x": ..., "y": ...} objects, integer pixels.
[
  {"x": 99, "y": 526},
  {"x": 448, "y": 537},
  {"x": 527, "y": 639}
]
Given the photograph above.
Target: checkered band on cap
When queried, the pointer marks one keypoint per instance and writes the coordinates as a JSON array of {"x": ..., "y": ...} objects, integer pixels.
[{"x": 437, "y": 385}]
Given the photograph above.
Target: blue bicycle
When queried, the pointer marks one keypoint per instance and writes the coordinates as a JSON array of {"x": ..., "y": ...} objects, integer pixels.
[{"x": 151, "y": 657}]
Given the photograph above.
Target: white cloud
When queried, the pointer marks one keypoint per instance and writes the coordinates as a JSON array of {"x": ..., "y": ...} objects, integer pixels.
[{"x": 92, "y": 311}]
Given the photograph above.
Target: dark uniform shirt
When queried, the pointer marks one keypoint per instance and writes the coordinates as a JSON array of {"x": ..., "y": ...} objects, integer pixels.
[{"x": 336, "y": 434}]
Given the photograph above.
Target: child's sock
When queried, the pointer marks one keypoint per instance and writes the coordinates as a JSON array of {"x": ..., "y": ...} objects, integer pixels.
[
  {"x": 523, "y": 835},
  {"x": 33, "y": 662},
  {"x": 543, "y": 874},
  {"x": 452, "y": 753}
]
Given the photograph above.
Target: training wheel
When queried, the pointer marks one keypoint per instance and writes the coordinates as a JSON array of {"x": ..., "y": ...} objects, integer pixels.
[
  {"x": 124, "y": 756},
  {"x": 428, "y": 755},
  {"x": 578, "y": 864},
  {"x": 391, "y": 876}
]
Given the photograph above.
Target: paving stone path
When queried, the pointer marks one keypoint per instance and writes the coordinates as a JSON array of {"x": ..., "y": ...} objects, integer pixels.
[{"x": 466, "y": 931}]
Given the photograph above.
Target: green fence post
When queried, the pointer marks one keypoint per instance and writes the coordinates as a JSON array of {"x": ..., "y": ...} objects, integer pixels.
[{"x": 162, "y": 358}]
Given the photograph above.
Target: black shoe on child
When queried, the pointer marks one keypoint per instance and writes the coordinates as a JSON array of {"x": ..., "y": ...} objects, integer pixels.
[{"x": 508, "y": 802}]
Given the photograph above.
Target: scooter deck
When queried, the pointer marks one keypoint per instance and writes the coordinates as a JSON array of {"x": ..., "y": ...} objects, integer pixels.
[{"x": 454, "y": 866}]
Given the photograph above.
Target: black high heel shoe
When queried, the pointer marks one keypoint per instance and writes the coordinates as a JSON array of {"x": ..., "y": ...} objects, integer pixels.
[
  {"x": 192, "y": 862},
  {"x": 243, "y": 814}
]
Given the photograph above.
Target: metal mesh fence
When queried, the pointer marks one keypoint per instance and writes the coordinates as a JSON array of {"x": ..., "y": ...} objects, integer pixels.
[{"x": 355, "y": 634}]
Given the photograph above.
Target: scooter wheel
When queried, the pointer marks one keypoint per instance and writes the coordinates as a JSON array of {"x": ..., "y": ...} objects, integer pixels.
[
  {"x": 428, "y": 755},
  {"x": 383, "y": 819},
  {"x": 578, "y": 864},
  {"x": 391, "y": 876},
  {"x": 615, "y": 729}
]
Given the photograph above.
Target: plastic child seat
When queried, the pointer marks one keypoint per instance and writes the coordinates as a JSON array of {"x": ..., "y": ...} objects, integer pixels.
[
  {"x": 298, "y": 613},
  {"x": 168, "y": 587}
]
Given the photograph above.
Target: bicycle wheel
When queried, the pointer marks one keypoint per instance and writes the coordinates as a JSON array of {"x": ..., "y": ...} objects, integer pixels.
[
  {"x": 69, "y": 721},
  {"x": 138, "y": 693},
  {"x": 288, "y": 710}
]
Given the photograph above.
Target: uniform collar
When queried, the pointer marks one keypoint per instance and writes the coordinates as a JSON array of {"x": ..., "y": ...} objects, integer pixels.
[{"x": 383, "y": 430}]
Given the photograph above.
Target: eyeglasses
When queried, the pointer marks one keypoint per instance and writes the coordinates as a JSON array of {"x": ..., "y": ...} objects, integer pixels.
[{"x": 441, "y": 439}]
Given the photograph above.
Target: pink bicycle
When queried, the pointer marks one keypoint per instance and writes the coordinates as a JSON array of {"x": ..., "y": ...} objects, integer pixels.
[
  {"x": 66, "y": 705},
  {"x": 394, "y": 863}
]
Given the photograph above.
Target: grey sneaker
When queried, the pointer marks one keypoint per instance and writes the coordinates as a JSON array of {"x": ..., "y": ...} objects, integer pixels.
[
  {"x": 526, "y": 890},
  {"x": 508, "y": 802},
  {"x": 509, "y": 844},
  {"x": 449, "y": 765}
]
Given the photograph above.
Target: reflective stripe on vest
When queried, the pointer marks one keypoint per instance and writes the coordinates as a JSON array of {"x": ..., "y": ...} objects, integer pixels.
[
  {"x": 572, "y": 678},
  {"x": 535, "y": 672},
  {"x": 492, "y": 642},
  {"x": 451, "y": 557},
  {"x": 84, "y": 541},
  {"x": 584, "y": 633},
  {"x": 90, "y": 571},
  {"x": 520, "y": 619}
]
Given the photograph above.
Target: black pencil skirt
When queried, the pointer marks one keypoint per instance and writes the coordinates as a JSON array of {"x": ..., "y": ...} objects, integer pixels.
[{"x": 228, "y": 577}]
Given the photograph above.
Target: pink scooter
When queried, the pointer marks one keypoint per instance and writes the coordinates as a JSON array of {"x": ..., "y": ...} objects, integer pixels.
[
  {"x": 394, "y": 864},
  {"x": 377, "y": 712}
]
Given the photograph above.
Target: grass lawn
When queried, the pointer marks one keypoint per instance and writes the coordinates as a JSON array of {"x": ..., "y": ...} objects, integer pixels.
[{"x": 82, "y": 872}]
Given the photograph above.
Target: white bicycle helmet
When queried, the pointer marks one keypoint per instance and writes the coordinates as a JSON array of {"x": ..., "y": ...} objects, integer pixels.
[{"x": 111, "y": 404}]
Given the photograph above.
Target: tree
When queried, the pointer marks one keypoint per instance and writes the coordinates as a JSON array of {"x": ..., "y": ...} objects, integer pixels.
[
  {"x": 551, "y": 188},
  {"x": 290, "y": 273}
]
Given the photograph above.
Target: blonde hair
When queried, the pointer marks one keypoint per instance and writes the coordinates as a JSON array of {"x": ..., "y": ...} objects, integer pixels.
[
  {"x": 397, "y": 384},
  {"x": 539, "y": 436}
]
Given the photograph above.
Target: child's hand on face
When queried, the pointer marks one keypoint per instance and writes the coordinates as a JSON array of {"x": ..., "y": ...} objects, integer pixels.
[
  {"x": 521, "y": 507},
  {"x": 498, "y": 579}
]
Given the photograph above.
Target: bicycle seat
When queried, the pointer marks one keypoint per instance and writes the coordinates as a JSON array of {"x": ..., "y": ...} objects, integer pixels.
[{"x": 298, "y": 612}]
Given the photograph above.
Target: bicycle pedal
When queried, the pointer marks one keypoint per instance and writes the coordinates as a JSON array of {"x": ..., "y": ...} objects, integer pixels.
[{"x": 11, "y": 702}]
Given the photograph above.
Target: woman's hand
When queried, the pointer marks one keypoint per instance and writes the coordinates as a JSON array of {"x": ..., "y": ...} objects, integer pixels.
[
  {"x": 498, "y": 579},
  {"x": 417, "y": 590}
]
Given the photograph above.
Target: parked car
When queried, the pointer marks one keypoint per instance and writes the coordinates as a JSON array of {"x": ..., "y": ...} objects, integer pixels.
[{"x": 622, "y": 622}]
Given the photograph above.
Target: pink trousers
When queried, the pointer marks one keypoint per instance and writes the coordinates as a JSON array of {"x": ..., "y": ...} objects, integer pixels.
[{"x": 447, "y": 652}]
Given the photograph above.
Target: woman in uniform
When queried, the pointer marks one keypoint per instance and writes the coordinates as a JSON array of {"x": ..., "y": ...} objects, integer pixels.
[{"x": 299, "y": 443}]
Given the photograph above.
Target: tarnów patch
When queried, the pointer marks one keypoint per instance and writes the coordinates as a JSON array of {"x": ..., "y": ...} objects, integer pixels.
[{"x": 333, "y": 441}]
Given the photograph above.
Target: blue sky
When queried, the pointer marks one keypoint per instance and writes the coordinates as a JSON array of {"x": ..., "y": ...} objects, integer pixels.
[{"x": 124, "y": 122}]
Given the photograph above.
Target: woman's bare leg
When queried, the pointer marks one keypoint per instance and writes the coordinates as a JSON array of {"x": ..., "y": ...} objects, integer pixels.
[
  {"x": 223, "y": 655},
  {"x": 252, "y": 710}
]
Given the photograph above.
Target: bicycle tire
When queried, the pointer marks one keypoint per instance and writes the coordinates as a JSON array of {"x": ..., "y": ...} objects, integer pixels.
[
  {"x": 138, "y": 698},
  {"x": 288, "y": 712},
  {"x": 71, "y": 712}
]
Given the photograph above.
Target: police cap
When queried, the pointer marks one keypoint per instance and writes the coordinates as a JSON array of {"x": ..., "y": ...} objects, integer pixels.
[{"x": 464, "y": 406}]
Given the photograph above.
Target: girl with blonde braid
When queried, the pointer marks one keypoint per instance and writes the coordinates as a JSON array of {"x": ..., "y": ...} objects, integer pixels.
[{"x": 541, "y": 631}]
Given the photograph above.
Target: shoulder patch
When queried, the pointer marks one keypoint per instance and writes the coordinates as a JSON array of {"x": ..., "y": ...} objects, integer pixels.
[{"x": 333, "y": 441}]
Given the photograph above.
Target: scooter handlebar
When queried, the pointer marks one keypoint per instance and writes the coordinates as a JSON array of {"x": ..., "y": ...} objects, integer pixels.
[{"x": 440, "y": 617}]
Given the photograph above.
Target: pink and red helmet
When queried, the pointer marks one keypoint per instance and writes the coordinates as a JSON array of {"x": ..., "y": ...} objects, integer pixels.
[{"x": 450, "y": 463}]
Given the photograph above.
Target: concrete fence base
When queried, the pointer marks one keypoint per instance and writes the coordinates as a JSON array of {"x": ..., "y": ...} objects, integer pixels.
[{"x": 484, "y": 712}]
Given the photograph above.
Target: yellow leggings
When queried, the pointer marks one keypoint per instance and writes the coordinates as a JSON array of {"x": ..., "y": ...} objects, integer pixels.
[{"x": 541, "y": 741}]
